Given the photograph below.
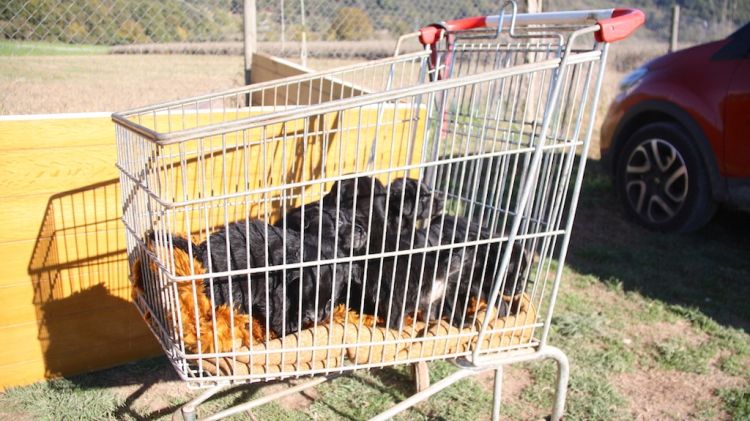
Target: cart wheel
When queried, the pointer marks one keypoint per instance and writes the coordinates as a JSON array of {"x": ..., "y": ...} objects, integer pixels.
[
  {"x": 421, "y": 376},
  {"x": 181, "y": 415}
]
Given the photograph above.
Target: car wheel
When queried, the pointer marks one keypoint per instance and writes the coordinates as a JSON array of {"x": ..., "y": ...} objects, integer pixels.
[{"x": 661, "y": 180}]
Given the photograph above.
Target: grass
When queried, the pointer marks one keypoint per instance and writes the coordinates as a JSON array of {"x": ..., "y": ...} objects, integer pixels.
[
  {"x": 676, "y": 354},
  {"x": 737, "y": 402},
  {"x": 41, "y": 48},
  {"x": 60, "y": 399},
  {"x": 52, "y": 84}
]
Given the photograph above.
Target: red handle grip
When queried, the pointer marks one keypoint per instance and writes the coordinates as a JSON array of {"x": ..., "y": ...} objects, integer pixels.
[
  {"x": 622, "y": 23},
  {"x": 619, "y": 25},
  {"x": 429, "y": 34}
]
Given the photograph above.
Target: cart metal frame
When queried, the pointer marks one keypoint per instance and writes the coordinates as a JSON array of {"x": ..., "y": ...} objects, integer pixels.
[{"x": 513, "y": 95}]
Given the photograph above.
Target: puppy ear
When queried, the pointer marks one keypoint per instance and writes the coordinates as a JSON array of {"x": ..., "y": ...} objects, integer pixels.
[
  {"x": 377, "y": 186},
  {"x": 397, "y": 190}
]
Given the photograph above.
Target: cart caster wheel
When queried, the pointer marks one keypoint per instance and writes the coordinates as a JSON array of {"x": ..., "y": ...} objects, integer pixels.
[
  {"x": 182, "y": 415},
  {"x": 421, "y": 376}
]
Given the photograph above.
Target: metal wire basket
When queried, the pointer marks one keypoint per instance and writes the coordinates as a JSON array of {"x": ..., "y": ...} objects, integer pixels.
[{"x": 397, "y": 211}]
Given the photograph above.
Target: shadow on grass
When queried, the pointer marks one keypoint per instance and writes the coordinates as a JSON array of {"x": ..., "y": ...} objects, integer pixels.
[
  {"x": 144, "y": 376},
  {"x": 707, "y": 269}
]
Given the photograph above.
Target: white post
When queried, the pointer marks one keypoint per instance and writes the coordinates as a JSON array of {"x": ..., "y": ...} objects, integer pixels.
[
  {"x": 675, "y": 28},
  {"x": 283, "y": 28},
  {"x": 251, "y": 36},
  {"x": 303, "y": 50}
]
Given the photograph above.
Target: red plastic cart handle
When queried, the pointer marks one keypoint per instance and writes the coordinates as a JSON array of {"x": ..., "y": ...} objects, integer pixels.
[
  {"x": 622, "y": 23},
  {"x": 619, "y": 25}
]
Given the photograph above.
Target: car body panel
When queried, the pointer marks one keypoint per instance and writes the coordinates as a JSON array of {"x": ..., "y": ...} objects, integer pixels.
[
  {"x": 737, "y": 123},
  {"x": 705, "y": 90}
]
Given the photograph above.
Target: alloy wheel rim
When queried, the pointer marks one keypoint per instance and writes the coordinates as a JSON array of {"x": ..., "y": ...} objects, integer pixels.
[{"x": 656, "y": 181}]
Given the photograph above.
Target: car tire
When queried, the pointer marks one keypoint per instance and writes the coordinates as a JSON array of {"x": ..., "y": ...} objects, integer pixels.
[{"x": 662, "y": 181}]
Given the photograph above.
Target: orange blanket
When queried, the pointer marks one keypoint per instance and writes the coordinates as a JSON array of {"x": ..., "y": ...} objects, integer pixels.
[{"x": 348, "y": 336}]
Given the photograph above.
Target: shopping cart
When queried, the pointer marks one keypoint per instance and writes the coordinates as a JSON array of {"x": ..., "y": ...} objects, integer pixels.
[{"x": 398, "y": 211}]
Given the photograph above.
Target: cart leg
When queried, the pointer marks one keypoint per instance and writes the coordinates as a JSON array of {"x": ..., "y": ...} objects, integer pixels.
[
  {"x": 187, "y": 415},
  {"x": 421, "y": 376},
  {"x": 563, "y": 373},
  {"x": 496, "y": 397},
  {"x": 188, "y": 410}
]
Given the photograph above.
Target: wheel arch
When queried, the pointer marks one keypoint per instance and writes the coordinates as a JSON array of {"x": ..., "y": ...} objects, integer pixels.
[{"x": 653, "y": 111}]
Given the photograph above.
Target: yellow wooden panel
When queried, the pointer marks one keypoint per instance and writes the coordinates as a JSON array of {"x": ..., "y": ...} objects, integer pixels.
[
  {"x": 17, "y": 256},
  {"x": 267, "y": 68},
  {"x": 59, "y": 132},
  {"x": 97, "y": 252},
  {"x": 17, "y": 308},
  {"x": 69, "y": 339},
  {"x": 37, "y": 368},
  {"x": 65, "y": 288},
  {"x": 55, "y": 169},
  {"x": 92, "y": 208},
  {"x": 22, "y": 373}
]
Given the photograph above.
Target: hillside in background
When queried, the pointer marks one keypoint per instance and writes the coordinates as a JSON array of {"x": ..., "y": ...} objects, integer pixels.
[{"x": 120, "y": 22}]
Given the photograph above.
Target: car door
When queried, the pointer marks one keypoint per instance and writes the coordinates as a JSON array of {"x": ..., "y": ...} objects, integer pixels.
[
  {"x": 737, "y": 123},
  {"x": 737, "y": 108}
]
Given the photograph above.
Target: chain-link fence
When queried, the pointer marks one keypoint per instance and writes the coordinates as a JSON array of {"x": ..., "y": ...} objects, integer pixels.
[{"x": 173, "y": 48}]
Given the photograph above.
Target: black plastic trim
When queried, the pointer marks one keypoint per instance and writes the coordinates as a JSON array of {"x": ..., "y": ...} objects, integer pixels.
[{"x": 738, "y": 46}]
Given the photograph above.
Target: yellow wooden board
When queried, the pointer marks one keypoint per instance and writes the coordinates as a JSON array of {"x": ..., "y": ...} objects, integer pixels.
[{"x": 64, "y": 283}]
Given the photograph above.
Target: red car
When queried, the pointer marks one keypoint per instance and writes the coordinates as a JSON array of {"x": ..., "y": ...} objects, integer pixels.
[{"x": 677, "y": 137}]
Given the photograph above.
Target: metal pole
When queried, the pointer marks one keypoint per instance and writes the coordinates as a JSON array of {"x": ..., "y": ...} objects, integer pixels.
[
  {"x": 497, "y": 395},
  {"x": 303, "y": 49},
  {"x": 251, "y": 36},
  {"x": 675, "y": 28},
  {"x": 283, "y": 28}
]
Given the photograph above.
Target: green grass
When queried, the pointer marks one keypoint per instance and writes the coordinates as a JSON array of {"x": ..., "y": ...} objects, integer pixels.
[
  {"x": 737, "y": 402},
  {"x": 41, "y": 48},
  {"x": 60, "y": 399},
  {"x": 676, "y": 354}
]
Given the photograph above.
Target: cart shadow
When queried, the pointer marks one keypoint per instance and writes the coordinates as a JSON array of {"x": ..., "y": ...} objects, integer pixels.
[
  {"x": 706, "y": 270},
  {"x": 79, "y": 271},
  {"x": 79, "y": 275}
]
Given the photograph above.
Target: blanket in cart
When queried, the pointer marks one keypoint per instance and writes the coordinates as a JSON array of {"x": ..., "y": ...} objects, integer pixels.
[{"x": 347, "y": 336}]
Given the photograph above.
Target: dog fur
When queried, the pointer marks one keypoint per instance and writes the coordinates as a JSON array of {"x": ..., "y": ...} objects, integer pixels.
[
  {"x": 326, "y": 234},
  {"x": 419, "y": 203},
  {"x": 197, "y": 322},
  {"x": 388, "y": 220},
  {"x": 322, "y": 221},
  {"x": 393, "y": 287},
  {"x": 285, "y": 300},
  {"x": 478, "y": 272}
]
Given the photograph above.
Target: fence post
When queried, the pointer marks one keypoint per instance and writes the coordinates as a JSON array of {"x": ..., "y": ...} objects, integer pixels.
[
  {"x": 250, "y": 36},
  {"x": 675, "y": 28}
]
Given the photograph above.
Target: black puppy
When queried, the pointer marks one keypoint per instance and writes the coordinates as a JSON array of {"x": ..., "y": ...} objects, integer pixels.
[
  {"x": 327, "y": 234},
  {"x": 411, "y": 202},
  {"x": 252, "y": 244},
  {"x": 335, "y": 229},
  {"x": 480, "y": 270},
  {"x": 268, "y": 295},
  {"x": 366, "y": 201},
  {"x": 386, "y": 213},
  {"x": 361, "y": 200},
  {"x": 404, "y": 285}
]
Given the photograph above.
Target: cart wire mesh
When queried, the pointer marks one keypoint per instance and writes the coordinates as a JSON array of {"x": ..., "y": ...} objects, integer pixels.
[{"x": 407, "y": 209}]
